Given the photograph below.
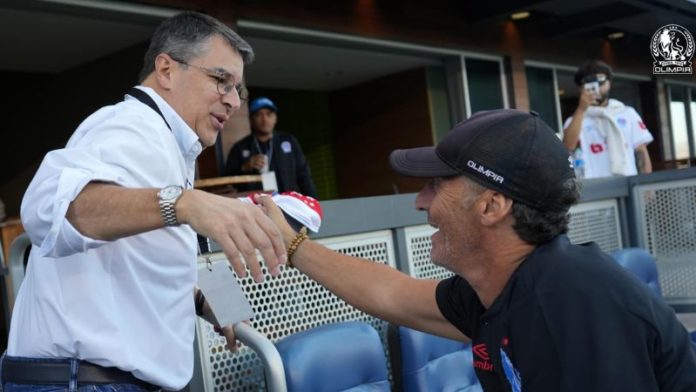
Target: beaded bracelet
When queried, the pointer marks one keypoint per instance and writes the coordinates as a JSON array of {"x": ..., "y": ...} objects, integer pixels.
[{"x": 295, "y": 243}]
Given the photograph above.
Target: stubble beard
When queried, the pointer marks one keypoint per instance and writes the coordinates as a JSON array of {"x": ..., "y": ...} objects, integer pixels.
[{"x": 458, "y": 252}]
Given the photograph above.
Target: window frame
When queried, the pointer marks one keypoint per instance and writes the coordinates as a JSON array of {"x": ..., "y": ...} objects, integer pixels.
[
  {"x": 687, "y": 89},
  {"x": 465, "y": 76}
]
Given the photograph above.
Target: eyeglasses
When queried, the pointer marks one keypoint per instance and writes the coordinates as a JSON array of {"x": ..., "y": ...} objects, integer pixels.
[
  {"x": 222, "y": 78},
  {"x": 599, "y": 78}
]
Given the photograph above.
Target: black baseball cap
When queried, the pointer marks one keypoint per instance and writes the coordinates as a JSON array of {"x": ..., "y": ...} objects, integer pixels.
[{"x": 511, "y": 151}]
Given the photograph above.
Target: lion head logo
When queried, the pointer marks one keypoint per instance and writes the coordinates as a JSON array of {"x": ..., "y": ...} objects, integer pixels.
[{"x": 672, "y": 48}]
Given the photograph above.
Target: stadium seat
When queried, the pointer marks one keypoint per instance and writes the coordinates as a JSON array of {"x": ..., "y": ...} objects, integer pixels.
[
  {"x": 423, "y": 362},
  {"x": 642, "y": 264},
  {"x": 346, "y": 356}
]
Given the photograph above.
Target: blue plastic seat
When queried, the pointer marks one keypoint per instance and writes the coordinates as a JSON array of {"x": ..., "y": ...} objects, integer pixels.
[
  {"x": 347, "y": 356},
  {"x": 422, "y": 362},
  {"x": 642, "y": 264}
]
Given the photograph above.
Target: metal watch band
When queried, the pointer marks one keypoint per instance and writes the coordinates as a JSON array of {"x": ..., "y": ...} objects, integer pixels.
[
  {"x": 168, "y": 212},
  {"x": 168, "y": 197}
]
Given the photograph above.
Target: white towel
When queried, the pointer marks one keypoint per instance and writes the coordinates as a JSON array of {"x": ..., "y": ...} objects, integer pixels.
[
  {"x": 304, "y": 209},
  {"x": 607, "y": 127}
]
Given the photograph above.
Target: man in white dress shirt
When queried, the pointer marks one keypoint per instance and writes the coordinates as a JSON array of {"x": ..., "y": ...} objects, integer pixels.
[{"x": 109, "y": 295}]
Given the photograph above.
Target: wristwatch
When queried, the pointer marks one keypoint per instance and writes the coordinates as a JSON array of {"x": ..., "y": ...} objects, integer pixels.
[{"x": 168, "y": 196}]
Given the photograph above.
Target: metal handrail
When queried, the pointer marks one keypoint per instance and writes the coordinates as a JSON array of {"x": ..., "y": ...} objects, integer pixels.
[{"x": 272, "y": 362}]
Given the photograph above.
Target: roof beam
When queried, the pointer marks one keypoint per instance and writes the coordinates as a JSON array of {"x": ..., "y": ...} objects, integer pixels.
[{"x": 591, "y": 18}]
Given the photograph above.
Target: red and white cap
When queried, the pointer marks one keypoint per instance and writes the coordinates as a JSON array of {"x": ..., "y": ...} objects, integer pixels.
[{"x": 304, "y": 209}]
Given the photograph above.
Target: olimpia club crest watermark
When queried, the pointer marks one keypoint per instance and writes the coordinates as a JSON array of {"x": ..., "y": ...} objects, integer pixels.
[{"x": 672, "y": 47}]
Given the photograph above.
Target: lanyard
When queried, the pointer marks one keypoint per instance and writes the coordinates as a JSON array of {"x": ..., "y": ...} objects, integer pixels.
[
  {"x": 269, "y": 154},
  {"x": 142, "y": 96}
]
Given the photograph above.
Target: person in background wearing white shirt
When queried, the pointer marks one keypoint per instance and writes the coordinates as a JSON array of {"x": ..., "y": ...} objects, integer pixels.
[
  {"x": 109, "y": 298},
  {"x": 607, "y": 137}
]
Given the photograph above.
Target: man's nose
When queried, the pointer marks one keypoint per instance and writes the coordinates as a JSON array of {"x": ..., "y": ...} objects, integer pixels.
[
  {"x": 424, "y": 198},
  {"x": 232, "y": 101}
]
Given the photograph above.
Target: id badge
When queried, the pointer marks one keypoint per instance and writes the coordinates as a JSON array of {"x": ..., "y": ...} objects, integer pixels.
[{"x": 227, "y": 301}]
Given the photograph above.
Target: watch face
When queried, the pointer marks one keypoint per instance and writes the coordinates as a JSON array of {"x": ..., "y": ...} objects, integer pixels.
[{"x": 170, "y": 192}]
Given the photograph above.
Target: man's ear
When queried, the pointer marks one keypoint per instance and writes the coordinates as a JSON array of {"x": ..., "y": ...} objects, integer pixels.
[
  {"x": 164, "y": 65},
  {"x": 496, "y": 208}
]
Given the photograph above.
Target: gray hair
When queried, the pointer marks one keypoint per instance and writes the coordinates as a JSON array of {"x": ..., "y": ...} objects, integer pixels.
[
  {"x": 535, "y": 226},
  {"x": 185, "y": 36}
]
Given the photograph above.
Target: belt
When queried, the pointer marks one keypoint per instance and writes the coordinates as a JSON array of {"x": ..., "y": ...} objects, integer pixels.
[{"x": 25, "y": 372}]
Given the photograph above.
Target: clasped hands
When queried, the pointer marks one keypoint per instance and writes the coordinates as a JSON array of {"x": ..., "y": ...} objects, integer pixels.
[{"x": 263, "y": 212}]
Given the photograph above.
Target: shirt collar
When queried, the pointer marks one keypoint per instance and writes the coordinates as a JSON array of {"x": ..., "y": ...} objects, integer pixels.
[{"x": 186, "y": 138}]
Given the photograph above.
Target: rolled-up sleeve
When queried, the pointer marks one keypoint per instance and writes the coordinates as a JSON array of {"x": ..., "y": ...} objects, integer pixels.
[
  {"x": 125, "y": 146},
  {"x": 60, "y": 178}
]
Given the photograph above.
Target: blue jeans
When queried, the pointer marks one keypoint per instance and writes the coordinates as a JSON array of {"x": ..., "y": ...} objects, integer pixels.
[{"x": 69, "y": 386}]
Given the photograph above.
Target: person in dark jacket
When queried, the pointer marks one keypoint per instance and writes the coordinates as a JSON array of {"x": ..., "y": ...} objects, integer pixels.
[{"x": 266, "y": 149}]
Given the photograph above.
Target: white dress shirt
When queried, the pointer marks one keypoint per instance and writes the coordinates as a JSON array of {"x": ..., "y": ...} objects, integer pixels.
[{"x": 126, "y": 303}]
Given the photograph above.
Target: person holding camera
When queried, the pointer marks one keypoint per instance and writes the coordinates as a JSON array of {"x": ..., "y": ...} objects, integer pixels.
[{"x": 607, "y": 137}]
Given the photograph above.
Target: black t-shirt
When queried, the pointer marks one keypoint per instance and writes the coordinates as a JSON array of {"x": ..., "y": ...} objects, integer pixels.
[{"x": 571, "y": 319}]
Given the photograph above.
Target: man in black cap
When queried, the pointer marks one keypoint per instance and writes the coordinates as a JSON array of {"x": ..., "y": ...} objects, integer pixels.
[
  {"x": 266, "y": 149},
  {"x": 542, "y": 314}
]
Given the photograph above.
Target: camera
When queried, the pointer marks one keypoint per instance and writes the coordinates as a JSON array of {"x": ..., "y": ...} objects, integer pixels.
[
  {"x": 592, "y": 88},
  {"x": 591, "y": 84}
]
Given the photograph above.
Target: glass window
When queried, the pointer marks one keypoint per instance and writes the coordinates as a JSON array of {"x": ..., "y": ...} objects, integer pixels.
[
  {"x": 542, "y": 94},
  {"x": 677, "y": 114},
  {"x": 439, "y": 104},
  {"x": 568, "y": 93},
  {"x": 626, "y": 91},
  {"x": 485, "y": 86}
]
